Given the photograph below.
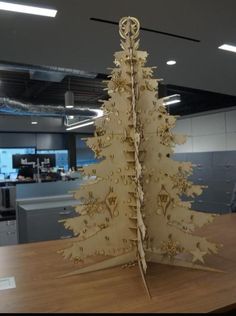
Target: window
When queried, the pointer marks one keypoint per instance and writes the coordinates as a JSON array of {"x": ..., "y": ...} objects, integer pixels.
[{"x": 6, "y": 154}]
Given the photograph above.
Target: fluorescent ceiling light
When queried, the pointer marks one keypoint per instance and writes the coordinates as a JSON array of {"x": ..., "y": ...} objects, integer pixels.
[
  {"x": 69, "y": 99},
  {"x": 171, "y": 62},
  {"x": 230, "y": 48},
  {"x": 79, "y": 126},
  {"x": 172, "y": 99},
  {"x": 34, "y": 123},
  {"x": 7, "y": 6},
  {"x": 172, "y": 102},
  {"x": 98, "y": 112}
]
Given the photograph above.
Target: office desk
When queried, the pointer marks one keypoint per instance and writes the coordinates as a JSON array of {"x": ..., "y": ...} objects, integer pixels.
[
  {"x": 16, "y": 181},
  {"x": 174, "y": 289}
]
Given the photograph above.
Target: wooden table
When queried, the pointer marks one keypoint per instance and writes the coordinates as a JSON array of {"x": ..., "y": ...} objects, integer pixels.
[{"x": 174, "y": 289}]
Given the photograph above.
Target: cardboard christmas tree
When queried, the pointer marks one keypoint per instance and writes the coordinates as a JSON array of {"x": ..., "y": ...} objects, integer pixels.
[{"x": 132, "y": 211}]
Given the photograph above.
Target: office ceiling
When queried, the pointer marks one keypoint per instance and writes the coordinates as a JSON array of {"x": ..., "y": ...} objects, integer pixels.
[
  {"x": 84, "y": 36},
  {"x": 21, "y": 86},
  {"x": 18, "y": 85},
  {"x": 73, "y": 40}
]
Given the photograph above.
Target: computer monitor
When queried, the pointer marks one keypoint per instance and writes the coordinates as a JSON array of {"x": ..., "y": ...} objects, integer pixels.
[
  {"x": 20, "y": 160},
  {"x": 49, "y": 160}
]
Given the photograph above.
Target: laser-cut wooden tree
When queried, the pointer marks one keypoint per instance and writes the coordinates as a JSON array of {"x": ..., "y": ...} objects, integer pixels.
[{"x": 133, "y": 211}]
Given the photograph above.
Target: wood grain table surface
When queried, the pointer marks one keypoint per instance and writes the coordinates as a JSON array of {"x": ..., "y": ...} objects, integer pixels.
[{"x": 37, "y": 266}]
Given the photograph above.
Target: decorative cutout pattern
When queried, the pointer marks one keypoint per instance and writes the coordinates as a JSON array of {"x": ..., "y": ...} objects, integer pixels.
[
  {"x": 133, "y": 211},
  {"x": 164, "y": 200}
]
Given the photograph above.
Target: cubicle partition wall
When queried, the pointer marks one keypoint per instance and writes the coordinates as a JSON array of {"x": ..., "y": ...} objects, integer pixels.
[{"x": 41, "y": 206}]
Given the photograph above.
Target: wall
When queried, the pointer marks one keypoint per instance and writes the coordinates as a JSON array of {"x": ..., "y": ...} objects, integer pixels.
[
  {"x": 217, "y": 171},
  {"x": 211, "y": 147},
  {"x": 38, "y": 140},
  {"x": 208, "y": 132},
  {"x": 18, "y": 123}
]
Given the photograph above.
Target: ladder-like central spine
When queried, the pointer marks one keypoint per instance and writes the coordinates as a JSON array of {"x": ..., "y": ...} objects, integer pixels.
[{"x": 139, "y": 191}]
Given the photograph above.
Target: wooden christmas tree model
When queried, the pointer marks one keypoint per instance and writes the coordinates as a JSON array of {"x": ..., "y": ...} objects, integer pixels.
[{"x": 132, "y": 212}]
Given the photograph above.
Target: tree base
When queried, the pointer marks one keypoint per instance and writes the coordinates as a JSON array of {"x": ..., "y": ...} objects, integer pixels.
[{"x": 158, "y": 258}]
